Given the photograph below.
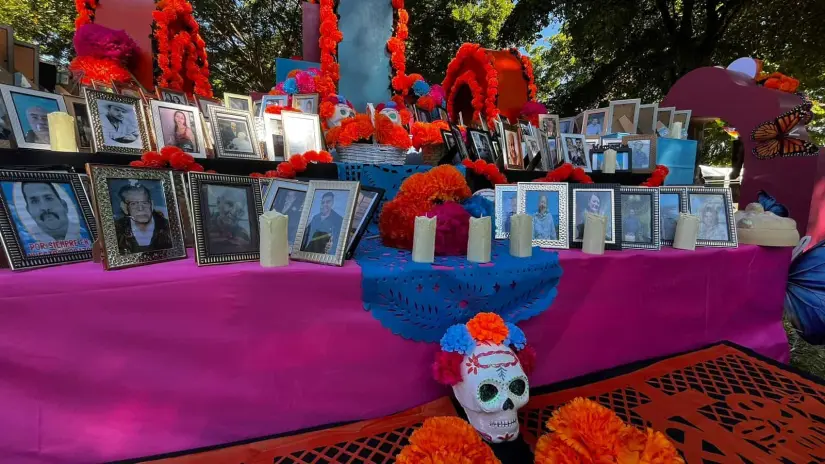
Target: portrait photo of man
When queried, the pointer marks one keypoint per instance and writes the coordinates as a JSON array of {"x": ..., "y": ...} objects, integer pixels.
[
  {"x": 119, "y": 123},
  {"x": 594, "y": 202},
  {"x": 229, "y": 225},
  {"x": 141, "y": 215},
  {"x": 668, "y": 214},
  {"x": 637, "y": 219},
  {"x": 544, "y": 207},
  {"x": 290, "y": 202},
  {"x": 595, "y": 124},
  {"x": 324, "y": 228},
  {"x": 32, "y": 113}
]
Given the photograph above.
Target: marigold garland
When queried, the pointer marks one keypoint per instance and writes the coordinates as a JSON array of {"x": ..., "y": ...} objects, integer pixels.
[
  {"x": 397, "y": 47},
  {"x": 181, "y": 51},
  {"x": 488, "y": 170},
  {"x": 527, "y": 70},
  {"x": 100, "y": 69},
  {"x": 169, "y": 157},
  {"x": 657, "y": 178},
  {"x": 296, "y": 165},
  {"x": 85, "y": 12},
  {"x": 490, "y": 98},
  {"x": 467, "y": 78},
  {"x": 330, "y": 36},
  {"x": 428, "y": 133},
  {"x": 446, "y": 440},
  {"x": 566, "y": 173}
]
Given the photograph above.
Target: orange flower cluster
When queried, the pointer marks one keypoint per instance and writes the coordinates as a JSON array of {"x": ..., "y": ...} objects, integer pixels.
[
  {"x": 586, "y": 432},
  {"x": 327, "y": 82},
  {"x": 351, "y": 130},
  {"x": 487, "y": 328},
  {"x": 778, "y": 81},
  {"x": 527, "y": 67},
  {"x": 566, "y": 173},
  {"x": 425, "y": 133},
  {"x": 397, "y": 48},
  {"x": 443, "y": 440},
  {"x": 326, "y": 111},
  {"x": 417, "y": 195},
  {"x": 468, "y": 78},
  {"x": 181, "y": 52},
  {"x": 98, "y": 69},
  {"x": 278, "y": 109},
  {"x": 389, "y": 133},
  {"x": 296, "y": 165},
  {"x": 85, "y": 12},
  {"x": 488, "y": 103},
  {"x": 488, "y": 170}
]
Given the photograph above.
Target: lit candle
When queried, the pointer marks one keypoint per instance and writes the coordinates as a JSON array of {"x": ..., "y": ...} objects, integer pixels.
[
  {"x": 521, "y": 235},
  {"x": 274, "y": 239},
  {"x": 62, "y": 132},
  {"x": 609, "y": 166},
  {"x": 676, "y": 130},
  {"x": 424, "y": 239},
  {"x": 479, "y": 245},
  {"x": 595, "y": 228},
  {"x": 687, "y": 229}
]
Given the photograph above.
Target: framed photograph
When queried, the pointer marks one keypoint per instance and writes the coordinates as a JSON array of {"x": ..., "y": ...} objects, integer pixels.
[
  {"x": 325, "y": 222},
  {"x": 449, "y": 139},
  {"x": 129, "y": 90},
  {"x": 463, "y": 152},
  {"x": 578, "y": 124},
  {"x": 549, "y": 123},
  {"x": 287, "y": 197},
  {"x": 595, "y": 122},
  {"x": 235, "y": 101},
  {"x": 672, "y": 202},
  {"x": 482, "y": 145},
  {"x": 682, "y": 116},
  {"x": 643, "y": 152},
  {"x": 273, "y": 100},
  {"x": 647, "y": 119},
  {"x": 664, "y": 115},
  {"x": 601, "y": 199},
  {"x": 611, "y": 142},
  {"x": 27, "y": 111},
  {"x": 554, "y": 156},
  {"x": 178, "y": 126},
  {"x": 45, "y": 219},
  {"x": 623, "y": 162},
  {"x": 27, "y": 61},
  {"x": 138, "y": 215},
  {"x": 547, "y": 204},
  {"x": 307, "y": 103},
  {"x": 713, "y": 206},
  {"x": 514, "y": 158},
  {"x": 422, "y": 115},
  {"x": 506, "y": 205},
  {"x": 117, "y": 123},
  {"x": 171, "y": 96},
  {"x": 575, "y": 151},
  {"x": 442, "y": 115},
  {"x": 365, "y": 207},
  {"x": 76, "y": 107},
  {"x": 103, "y": 86},
  {"x": 531, "y": 144},
  {"x": 203, "y": 104},
  {"x": 87, "y": 189},
  {"x": 623, "y": 116},
  {"x": 234, "y": 133},
  {"x": 302, "y": 133},
  {"x": 640, "y": 218},
  {"x": 274, "y": 136},
  {"x": 225, "y": 212},
  {"x": 567, "y": 126},
  {"x": 185, "y": 206},
  {"x": 526, "y": 127},
  {"x": 496, "y": 149}
]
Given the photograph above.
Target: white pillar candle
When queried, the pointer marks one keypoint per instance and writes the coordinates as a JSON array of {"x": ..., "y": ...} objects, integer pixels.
[
  {"x": 687, "y": 229},
  {"x": 676, "y": 130},
  {"x": 609, "y": 166},
  {"x": 595, "y": 228},
  {"x": 424, "y": 239},
  {"x": 479, "y": 244},
  {"x": 274, "y": 239},
  {"x": 521, "y": 235},
  {"x": 62, "y": 132}
]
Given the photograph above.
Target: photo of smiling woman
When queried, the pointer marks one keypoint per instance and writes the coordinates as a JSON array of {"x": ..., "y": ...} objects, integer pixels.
[{"x": 177, "y": 129}]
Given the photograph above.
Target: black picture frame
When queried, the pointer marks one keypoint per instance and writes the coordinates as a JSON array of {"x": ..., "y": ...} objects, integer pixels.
[
  {"x": 618, "y": 149},
  {"x": 463, "y": 152},
  {"x": 362, "y": 227},
  {"x": 616, "y": 210},
  {"x": 477, "y": 152},
  {"x": 626, "y": 194}
]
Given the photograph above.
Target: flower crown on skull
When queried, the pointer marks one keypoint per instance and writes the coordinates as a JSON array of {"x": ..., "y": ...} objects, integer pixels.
[{"x": 461, "y": 340}]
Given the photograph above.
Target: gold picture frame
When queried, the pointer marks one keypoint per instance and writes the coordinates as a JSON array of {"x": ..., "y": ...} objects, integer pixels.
[
  {"x": 103, "y": 137},
  {"x": 312, "y": 236},
  {"x": 118, "y": 217},
  {"x": 230, "y": 101}
]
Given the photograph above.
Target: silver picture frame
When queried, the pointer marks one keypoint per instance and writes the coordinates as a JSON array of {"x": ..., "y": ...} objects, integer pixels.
[
  {"x": 272, "y": 193},
  {"x": 272, "y": 152},
  {"x": 605, "y": 121},
  {"x": 99, "y": 143},
  {"x": 647, "y": 119},
  {"x": 222, "y": 149},
  {"x": 8, "y": 92},
  {"x": 504, "y": 194},
  {"x": 280, "y": 100},
  {"x": 725, "y": 201},
  {"x": 628, "y": 201},
  {"x": 562, "y": 240},
  {"x": 291, "y": 120},
  {"x": 664, "y": 115},
  {"x": 569, "y": 124},
  {"x": 197, "y": 131},
  {"x": 230, "y": 98},
  {"x": 335, "y": 256},
  {"x": 614, "y": 222},
  {"x": 299, "y": 100},
  {"x": 667, "y": 224}
]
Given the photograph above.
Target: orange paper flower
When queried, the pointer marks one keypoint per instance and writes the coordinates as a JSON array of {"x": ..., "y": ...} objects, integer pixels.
[
  {"x": 389, "y": 133},
  {"x": 446, "y": 440},
  {"x": 487, "y": 328}
]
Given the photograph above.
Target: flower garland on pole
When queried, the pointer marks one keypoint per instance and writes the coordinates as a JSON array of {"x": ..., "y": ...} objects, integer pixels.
[
  {"x": 327, "y": 82},
  {"x": 181, "y": 51},
  {"x": 85, "y": 12},
  {"x": 527, "y": 71},
  {"x": 397, "y": 47},
  {"x": 468, "y": 78},
  {"x": 490, "y": 99}
]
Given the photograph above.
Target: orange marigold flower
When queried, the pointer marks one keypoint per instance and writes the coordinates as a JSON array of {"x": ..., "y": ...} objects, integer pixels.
[
  {"x": 442, "y": 440},
  {"x": 551, "y": 449},
  {"x": 389, "y": 133},
  {"x": 488, "y": 328},
  {"x": 588, "y": 427}
]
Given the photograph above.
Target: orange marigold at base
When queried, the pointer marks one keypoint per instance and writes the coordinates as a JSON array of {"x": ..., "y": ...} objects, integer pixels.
[{"x": 446, "y": 440}]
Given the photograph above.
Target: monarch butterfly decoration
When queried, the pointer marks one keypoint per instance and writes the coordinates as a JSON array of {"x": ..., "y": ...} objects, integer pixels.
[
  {"x": 805, "y": 294},
  {"x": 778, "y": 138}
]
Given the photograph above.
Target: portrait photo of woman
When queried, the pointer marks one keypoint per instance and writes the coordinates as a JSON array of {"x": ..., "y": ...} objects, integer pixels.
[
  {"x": 180, "y": 134},
  {"x": 178, "y": 126}
]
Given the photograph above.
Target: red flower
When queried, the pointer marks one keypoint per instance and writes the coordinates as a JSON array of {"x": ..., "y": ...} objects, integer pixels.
[
  {"x": 196, "y": 167},
  {"x": 181, "y": 161},
  {"x": 447, "y": 368},
  {"x": 299, "y": 164},
  {"x": 167, "y": 152},
  {"x": 285, "y": 171},
  {"x": 527, "y": 358},
  {"x": 137, "y": 164},
  {"x": 256, "y": 175}
]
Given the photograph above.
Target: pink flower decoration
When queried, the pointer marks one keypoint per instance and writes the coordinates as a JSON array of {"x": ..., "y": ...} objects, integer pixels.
[
  {"x": 437, "y": 94},
  {"x": 306, "y": 82},
  {"x": 452, "y": 229},
  {"x": 531, "y": 108},
  {"x": 101, "y": 42}
]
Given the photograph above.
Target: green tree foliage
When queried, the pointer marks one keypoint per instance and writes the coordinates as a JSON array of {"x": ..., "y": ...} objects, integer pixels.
[{"x": 49, "y": 23}]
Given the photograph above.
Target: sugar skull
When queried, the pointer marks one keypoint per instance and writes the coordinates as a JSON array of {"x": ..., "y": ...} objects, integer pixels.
[
  {"x": 342, "y": 109},
  {"x": 390, "y": 110},
  {"x": 486, "y": 362}
]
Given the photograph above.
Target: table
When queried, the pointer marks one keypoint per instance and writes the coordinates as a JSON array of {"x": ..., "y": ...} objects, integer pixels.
[{"x": 98, "y": 366}]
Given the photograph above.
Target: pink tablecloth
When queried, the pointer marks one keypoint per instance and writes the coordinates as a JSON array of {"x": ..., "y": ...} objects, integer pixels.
[{"x": 101, "y": 365}]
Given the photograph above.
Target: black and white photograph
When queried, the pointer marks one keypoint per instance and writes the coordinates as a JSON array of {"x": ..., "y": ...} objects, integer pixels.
[
  {"x": 234, "y": 133},
  {"x": 117, "y": 123},
  {"x": 449, "y": 140},
  {"x": 27, "y": 111},
  {"x": 287, "y": 197},
  {"x": 204, "y": 103},
  {"x": 532, "y": 146},
  {"x": 574, "y": 150},
  {"x": 171, "y": 96},
  {"x": 481, "y": 144},
  {"x": 225, "y": 210},
  {"x": 273, "y": 100},
  {"x": 302, "y": 133},
  {"x": 514, "y": 158},
  {"x": 307, "y": 103},
  {"x": 600, "y": 199},
  {"x": 274, "y": 136},
  {"x": 640, "y": 218},
  {"x": 506, "y": 205},
  {"x": 595, "y": 122},
  {"x": 45, "y": 219},
  {"x": 623, "y": 116},
  {"x": 463, "y": 151},
  {"x": 714, "y": 209},
  {"x": 76, "y": 107},
  {"x": 139, "y": 215},
  {"x": 552, "y": 159},
  {"x": 234, "y": 101},
  {"x": 325, "y": 222},
  {"x": 549, "y": 124},
  {"x": 643, "y": 152},
  {"x": 672, "y": 202},
  {"x": 546, "y": 203},
  {"x": 178, "y": 126},
  {"x": 365, "y": 208}
]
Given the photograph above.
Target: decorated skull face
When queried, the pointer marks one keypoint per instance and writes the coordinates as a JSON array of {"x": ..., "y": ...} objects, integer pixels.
[
  {"x": 493, "y": 388},
  {"x": 342, "y": 111},
  {"x": 487, "y": 361},
  {"x": 391, "y": 113}
]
